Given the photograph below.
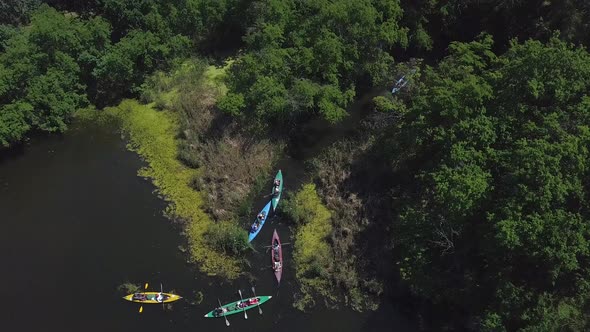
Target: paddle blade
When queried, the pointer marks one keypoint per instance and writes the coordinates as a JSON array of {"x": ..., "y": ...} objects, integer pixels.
[
  {"x": 146, "y": 285},
  {"x": 140, "y": 309}
]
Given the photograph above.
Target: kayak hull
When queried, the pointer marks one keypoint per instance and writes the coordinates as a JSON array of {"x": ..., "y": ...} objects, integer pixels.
[
  {"x": 232, "y": 308},
  {"x": 151, "y": 297},
  {"x": 273, "y": 255},
  {"x": 276, "y": 198},
  {"x": 251, "y": 234}
]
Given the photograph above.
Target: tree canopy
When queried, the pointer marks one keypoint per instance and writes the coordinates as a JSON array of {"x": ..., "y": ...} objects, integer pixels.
[
  {"x": 307, "y": 57},
  {"x": 483, "y": 157},
  {"x": 40, "y": 72},
  {"x": 497, "y": 223}
]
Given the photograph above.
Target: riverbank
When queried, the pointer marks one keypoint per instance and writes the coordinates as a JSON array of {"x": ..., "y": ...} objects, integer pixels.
[
  {"x": 190, "y": 149},
  {"x": 151, "y": 134},
  {"x": 153, "y": 131},
  {"x": 201, "y": 163}
]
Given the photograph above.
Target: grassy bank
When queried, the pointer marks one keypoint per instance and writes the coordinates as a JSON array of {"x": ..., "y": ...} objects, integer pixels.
[
  {"x": 333, "y": 257},
  {"x": 152, "y": 135},
  {"x": 313, "y": 256},
  {"x": 201, "y": 164}
]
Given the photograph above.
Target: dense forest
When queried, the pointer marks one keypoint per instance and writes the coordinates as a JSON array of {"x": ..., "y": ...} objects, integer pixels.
[{"x": 466, "y": 191}]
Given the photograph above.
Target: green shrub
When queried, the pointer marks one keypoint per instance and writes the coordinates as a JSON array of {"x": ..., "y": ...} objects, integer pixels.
[{"x": 228, "y": 237}]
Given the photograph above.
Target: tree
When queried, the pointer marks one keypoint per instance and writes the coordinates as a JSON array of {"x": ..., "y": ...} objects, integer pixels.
[
  {"x": 311, "y": 55},
  {"x": 16, "y": 12},
  {"x": 125, "y": 65},
  {"x": 40, "y": 73},
  {"x": 496, "y": 221}
]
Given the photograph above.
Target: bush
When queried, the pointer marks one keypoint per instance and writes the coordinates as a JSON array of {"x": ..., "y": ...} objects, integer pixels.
[{"x": 228, "y": 237}]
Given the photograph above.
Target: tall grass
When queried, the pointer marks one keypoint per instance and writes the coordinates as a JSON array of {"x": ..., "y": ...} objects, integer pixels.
[
  {"x": 354, "y": 268},
  {"x": 312, "y": 253}
]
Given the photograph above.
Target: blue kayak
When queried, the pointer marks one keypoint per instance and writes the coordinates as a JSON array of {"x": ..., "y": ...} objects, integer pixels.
[{"x": 257, "y": 225}]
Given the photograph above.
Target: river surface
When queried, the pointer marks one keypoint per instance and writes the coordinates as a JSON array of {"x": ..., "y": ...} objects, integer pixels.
[{"x": 76, "y": 221}]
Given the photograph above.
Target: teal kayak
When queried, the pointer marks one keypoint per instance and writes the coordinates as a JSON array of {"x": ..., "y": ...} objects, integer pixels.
[
  {"x": 276, "y": 196},
  {"x": 237, "y": 307}
]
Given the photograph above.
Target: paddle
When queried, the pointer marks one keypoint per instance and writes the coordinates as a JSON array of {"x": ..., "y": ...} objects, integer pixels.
[
  {"x": 282, "y": 244},
  {"x": 259, "y": 308},
  {"x": 271, "y": 194},
  {"x": 162, "y": 291},
  {"x": 141, "y": 306},
  {"x": 223, "y": 313},
  {"x": 244, "y": 308}
]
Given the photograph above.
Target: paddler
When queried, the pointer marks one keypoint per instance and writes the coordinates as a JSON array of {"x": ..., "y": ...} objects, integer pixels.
[{"x": 219, "y": 311}]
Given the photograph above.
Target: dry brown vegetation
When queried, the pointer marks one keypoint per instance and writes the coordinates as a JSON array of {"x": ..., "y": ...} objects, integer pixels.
[
  {"x": 225, "y": 163},
  {"x": 351, "y": 270},
  {"x": 231, "y": 160}
]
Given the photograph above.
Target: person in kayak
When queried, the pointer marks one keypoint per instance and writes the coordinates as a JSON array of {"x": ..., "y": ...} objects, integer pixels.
[
  {"x": 277, "y": 266},
  {"x": 261, "y": 216},
  {"x": 253, "y": 301},
  {"x": 160, "y": 297},
  {"x": 219, "y": 311},
  {"x": 139, "y": 297}
]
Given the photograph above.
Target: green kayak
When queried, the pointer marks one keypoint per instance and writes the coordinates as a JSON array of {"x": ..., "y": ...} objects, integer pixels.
[
  {"x": 276, "y": 195},
  {"x": 237, "y": 307}
]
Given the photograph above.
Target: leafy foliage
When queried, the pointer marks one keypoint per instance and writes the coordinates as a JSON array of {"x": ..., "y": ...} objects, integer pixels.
[
  {"x": 306, "y": 57},
  {"x": 228, "y": 237},
  {"x": 40, "y": 72},
  {"x": 501, "y": 159},
  {"x": 15, "y": 12}
]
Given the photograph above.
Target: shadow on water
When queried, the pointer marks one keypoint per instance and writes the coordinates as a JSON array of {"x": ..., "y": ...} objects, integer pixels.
[{"x": 77, "y": 222}]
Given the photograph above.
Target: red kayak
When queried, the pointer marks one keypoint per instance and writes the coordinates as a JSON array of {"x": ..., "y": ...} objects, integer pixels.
[{"x": 276, "y": 255}]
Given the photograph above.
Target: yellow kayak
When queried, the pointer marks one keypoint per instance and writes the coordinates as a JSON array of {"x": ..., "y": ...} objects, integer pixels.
[{"x": 152, "y": 297}]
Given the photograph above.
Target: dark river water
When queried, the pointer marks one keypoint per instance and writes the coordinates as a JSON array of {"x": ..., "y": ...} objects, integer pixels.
[{"x": 76, "y": 221}]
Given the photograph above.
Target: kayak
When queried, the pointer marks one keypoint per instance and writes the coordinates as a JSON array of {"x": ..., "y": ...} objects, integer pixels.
[
  {"x": 257, "y": 225},
  {"x": 277, "y": 197},
  {"x": 236, "y": 307},
  {"x": 151, "y": 297},
  {"x": 276, "y": 256}
]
